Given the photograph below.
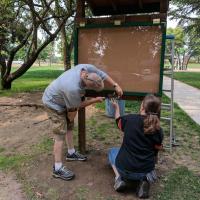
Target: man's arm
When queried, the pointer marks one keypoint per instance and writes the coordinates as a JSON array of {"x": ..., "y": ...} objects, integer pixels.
[
  {"x": 113, "y": 84},
  {"x": 92, "y": 101},
  {"x": 105, "y": 78}
]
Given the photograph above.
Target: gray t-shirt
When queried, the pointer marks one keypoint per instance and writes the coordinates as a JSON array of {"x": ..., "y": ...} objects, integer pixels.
[{"x": 65, "y": 91}]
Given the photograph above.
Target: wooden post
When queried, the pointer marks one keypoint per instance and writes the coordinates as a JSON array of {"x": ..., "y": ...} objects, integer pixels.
[
  {"x": 80, "y": 9},
  {"x": 80, "y": 13},
  {"x": 81, "y": 130}
]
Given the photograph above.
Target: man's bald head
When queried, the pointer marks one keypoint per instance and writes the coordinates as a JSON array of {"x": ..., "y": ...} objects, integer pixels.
[{"x": 94, "y": 82}]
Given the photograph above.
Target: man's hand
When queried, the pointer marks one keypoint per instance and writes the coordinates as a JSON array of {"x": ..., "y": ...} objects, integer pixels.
[
  {"x": 99, "y": 99},
  {"x": 118, "y": 90}
]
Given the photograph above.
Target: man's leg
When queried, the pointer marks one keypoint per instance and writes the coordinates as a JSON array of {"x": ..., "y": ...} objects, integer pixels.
[
  {"x": 69, "y": 139},
  {"x": 59, "y": 125},
  {"x": 58, "y": 146},
  {"x": 60, "y": 171},
  {"x": 71, "y": 153}
]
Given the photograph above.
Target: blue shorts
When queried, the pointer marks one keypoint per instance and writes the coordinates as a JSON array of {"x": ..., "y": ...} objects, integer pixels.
[{"x": 112, "y": 154}]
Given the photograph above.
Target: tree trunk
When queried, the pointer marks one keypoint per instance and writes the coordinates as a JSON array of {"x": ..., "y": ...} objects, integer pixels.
[
  {"x": 186, "y": 65},
  {"x": 68, "y": 60},
  {"x": 6, "y": 85},
  {"x": 64, "y": 47}
]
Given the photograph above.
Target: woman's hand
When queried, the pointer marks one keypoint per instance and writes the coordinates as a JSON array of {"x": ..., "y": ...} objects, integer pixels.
[
  {"x": 114, "y": 103},
  {"x": 116, "y": 107}
]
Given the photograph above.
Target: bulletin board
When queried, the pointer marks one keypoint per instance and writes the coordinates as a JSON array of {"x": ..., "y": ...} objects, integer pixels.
[{"x": 132, "y": 54}]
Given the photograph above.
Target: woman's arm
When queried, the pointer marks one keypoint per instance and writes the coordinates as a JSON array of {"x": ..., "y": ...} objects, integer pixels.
[{"x": 116, "y": 107}]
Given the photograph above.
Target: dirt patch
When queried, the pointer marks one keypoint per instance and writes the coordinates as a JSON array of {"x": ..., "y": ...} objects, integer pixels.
[
  {"x": 10, "y": 188},
  {"x": 24, "y": 127}
]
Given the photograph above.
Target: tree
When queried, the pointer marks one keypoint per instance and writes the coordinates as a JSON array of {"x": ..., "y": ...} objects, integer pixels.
[
  {"x": 193, "y": 47},
  {"x": 187, "y": 12},
  {"x": 46, "y": 53},
  {"x": 179, "y": 44},
  {"x": 21, "y": 22},
  {"x": 67, "y": 39},
  {"x": 65, "y": 44},
  {"x": 187, "y": 45}
]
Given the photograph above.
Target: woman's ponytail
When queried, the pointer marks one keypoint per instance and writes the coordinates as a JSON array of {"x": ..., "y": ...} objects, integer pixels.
[{"x": 152, "y": 106}]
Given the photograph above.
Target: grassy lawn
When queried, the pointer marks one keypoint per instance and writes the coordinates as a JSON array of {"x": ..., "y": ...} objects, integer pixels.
[
  {"x": 194, "y": 65},
  {"x": 180, "y": 184},
  {"x": 35, "y": 79},
  {"x": 190, "y": 78}
]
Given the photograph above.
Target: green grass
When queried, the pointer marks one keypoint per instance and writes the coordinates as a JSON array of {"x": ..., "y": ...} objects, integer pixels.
[
  {"x": 180, "y": 184},
  {"x": 2, "y": 149},
  {"x": 35, "y": 79},
  {"x": 9, "y": 162},
  {"x": 194, "y": 65},
  {"x": 16, "y": 160},
  {"x": 190, "y": 78}
]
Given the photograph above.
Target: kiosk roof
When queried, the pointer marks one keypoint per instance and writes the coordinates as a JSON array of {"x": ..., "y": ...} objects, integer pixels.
[{"x": 119, "y": 7}]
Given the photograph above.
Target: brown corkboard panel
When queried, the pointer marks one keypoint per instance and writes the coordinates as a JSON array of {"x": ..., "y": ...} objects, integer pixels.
[{"x": 130, "y": 55}]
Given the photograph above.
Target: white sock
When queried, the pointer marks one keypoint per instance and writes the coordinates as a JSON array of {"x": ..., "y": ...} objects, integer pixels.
[
  {"x": 57, "y": 165},
  {"x": 116, "y": 177},
  {"x": 71, "y": 151}
]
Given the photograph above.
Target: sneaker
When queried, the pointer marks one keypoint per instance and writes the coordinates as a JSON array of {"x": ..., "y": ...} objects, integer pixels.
[
  {"x": 63, "y": 173},
  {"x": 143, "y": 189},
  {"x": 76, "y": 156},
  {"x": 119, "y": 185}
]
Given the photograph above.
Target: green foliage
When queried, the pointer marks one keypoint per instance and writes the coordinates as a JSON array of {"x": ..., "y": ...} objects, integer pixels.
[
  {"x": 21, "y": 24},
  {"x": 187, "y": 12},
  {"x": 187, "y": 45},
  {"x": 180, "y": 184},
  {"x": 179, "y": 36}
]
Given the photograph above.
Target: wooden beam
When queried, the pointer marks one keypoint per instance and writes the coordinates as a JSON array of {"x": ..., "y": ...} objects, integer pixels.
[
  {"x": 81, "y": 130},
  {"x": 80, "y": 9},
  {"x": 140, "y": 4},
  {"x": 80, "y": 15},
  {"x": 135, "y": 18},
  {"x": 164, "y": 5},
  {"x": 114, "y": 6}
]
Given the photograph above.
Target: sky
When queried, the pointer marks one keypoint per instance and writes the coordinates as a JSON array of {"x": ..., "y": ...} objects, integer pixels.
[{"x": 171, "y": 23}]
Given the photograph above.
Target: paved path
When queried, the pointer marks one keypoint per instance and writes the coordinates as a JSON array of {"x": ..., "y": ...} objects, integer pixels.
[{"x": 186, "y": 96}]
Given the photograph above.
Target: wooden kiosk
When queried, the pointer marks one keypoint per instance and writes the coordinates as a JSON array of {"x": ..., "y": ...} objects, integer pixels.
[{"x": 126, "y": 39}]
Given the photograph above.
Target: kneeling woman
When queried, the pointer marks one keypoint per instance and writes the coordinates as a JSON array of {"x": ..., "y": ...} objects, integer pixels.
[{"x": 135, "y": 159}]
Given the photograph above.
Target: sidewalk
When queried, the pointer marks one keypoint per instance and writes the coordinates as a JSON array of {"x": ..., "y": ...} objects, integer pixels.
[{"x": 186, "y": 96}]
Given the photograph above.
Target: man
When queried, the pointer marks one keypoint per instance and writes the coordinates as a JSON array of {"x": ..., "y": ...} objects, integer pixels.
[{"x": 62, "y": 98}]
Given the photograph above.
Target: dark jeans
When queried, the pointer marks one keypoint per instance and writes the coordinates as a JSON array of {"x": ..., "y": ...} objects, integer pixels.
[{"x": 112, "y": 154}]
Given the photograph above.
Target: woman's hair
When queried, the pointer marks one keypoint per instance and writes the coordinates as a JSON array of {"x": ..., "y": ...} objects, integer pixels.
[{"x": 151, "y": 105}]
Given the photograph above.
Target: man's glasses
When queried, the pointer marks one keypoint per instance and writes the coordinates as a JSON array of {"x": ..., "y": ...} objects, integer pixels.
[{"x": 97, "y": 82}]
